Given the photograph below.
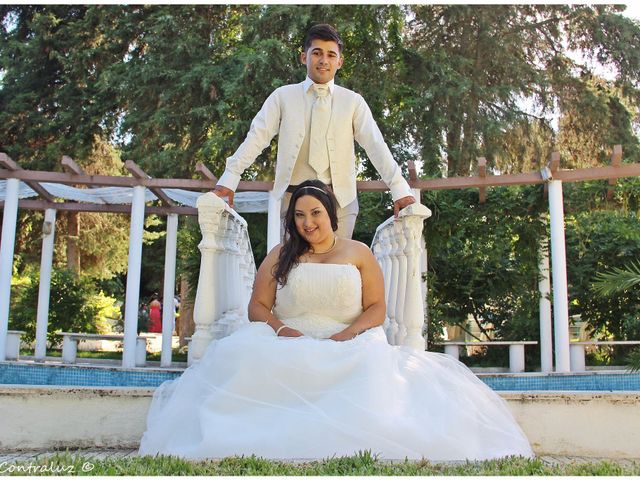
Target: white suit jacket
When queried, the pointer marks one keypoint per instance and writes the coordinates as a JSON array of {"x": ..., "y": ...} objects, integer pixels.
[{"x": 283, "y": 114}]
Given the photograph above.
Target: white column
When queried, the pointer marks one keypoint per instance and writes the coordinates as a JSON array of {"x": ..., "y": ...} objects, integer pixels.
[
  {"x": 133, "y": 278},
  {"x": 10, "y": 215},
  {"x": 169, "y": 292},
  {"x": 544, "y": 287},
  {"x": 46, "y": 259},
  {"x": 559, "y": 276},
  {"x": 274, "y": 223}
]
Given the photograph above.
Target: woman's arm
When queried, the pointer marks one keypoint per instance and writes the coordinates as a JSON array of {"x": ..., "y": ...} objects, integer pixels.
[
  {"x": 264, "y": 296},
  {"x": 373, "y": 304}
]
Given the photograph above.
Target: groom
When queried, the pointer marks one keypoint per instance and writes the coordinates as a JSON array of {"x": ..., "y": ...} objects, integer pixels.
[{"x": 317, "y": 122}]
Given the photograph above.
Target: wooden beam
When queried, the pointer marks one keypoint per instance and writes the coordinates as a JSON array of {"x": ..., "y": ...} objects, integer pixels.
[
  {"x": 109, "y": 181},
  {"x": 452, "y": 183},
  {"x": 137, "y": 172},
  {"x": 205, "y": 173},
  {"x": 616, "y": 161},
  {"x": 12, "y": 166},
  {"x": 28, "y": 204},
  {"x": 482, "y": 173},
  {"x": 413, "y": 174},
  {"x": 70, "y": 166}
]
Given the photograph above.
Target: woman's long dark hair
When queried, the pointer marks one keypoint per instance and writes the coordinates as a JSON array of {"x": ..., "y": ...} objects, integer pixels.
[{"x": 294, "y": 245}]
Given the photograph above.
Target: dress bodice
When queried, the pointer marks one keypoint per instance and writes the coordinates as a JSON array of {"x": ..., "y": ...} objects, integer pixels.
[{"x": 320, "y": 299}]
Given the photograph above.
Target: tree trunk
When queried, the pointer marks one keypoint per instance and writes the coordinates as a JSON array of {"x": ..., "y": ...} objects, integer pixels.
[
  {"x": 73, "y": 234},
  {"x": 185, "y": 325}
]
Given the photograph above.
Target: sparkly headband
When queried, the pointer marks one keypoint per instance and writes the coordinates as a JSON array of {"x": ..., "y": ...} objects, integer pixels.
[{"x": 316, "y": 188}]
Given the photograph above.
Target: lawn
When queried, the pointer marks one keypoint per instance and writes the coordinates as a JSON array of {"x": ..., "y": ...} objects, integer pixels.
[
  {"x": 361, "y": 464},
  {"x": 176, "y": 356}
]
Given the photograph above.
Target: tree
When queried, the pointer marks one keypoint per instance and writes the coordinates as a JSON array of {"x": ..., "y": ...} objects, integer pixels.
[{"x": 476, "y": 72}]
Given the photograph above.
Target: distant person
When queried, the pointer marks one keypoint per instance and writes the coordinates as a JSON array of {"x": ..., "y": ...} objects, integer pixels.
[
  {"x": 317, "y": 122},
  {"x": 155, "y": 316}
]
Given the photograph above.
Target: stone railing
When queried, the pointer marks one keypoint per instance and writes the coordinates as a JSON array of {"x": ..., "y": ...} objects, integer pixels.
[
  {"x": 227, "y": 272},
  {"x": 399, "y": 248}
]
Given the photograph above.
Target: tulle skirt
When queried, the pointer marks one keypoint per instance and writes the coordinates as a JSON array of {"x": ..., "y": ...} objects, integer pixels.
[{"x": 253, "y": 393}]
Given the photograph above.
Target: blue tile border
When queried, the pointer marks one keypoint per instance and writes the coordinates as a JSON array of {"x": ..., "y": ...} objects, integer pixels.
[
  {"x": 103, "y": 376},
  {"x": 589, "y": 381},
  {"x": 81, "y": 376}
]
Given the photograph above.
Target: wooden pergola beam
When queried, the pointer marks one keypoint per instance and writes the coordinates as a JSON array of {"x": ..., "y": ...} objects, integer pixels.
[
  {"x": 28, "y": 204},
  {"x": 12, "y": 166},
  {"x": 70, "y": 166},
  {"x": 205, "y": 173},
  {"x": 413, "y": 174},
  {"x": 137, "y": 172},
  {"x": 577, "y": 175}
]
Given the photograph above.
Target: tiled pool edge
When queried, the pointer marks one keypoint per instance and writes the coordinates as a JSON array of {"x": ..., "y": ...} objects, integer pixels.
[
  {"x": 111, "y": 376},
  {"x": 590, "y": 424}
]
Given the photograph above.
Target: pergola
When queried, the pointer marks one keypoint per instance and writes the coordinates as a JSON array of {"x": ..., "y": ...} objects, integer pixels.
[{"x": 115, "y": 194}]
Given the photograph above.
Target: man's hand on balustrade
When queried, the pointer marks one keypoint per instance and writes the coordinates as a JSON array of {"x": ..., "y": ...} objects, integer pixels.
[
  {"x": 289, "y": 332},
  {"x": 221, "y": 191},
  {"x": 401, "y": 203}
]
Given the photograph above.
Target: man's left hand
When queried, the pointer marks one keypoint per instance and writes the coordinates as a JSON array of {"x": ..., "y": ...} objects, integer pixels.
[{"x": 401, "y": 203}]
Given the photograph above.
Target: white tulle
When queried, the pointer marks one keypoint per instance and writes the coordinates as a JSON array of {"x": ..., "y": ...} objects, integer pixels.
[{"x": 310, "y": 397}]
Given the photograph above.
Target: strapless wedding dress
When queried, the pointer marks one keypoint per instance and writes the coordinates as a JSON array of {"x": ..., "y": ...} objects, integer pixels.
[{"x": 310, "y": 397}]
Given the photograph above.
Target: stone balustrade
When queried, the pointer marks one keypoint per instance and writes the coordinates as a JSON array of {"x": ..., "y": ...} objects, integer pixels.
[
  {"x": 227, "y": 272},
  {"x": 399, "y": 248}
]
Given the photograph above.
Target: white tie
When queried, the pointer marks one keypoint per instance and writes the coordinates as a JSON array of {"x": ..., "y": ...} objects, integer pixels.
[{"x": 320, "y": 115}]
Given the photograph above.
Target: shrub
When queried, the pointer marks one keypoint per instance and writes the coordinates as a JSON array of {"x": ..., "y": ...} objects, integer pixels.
[{"x": 75, "y": 305}]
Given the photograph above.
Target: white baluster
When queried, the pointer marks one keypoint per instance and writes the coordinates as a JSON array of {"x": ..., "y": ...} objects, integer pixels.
[
  {"x": 233, "y": 315},
  {"x": 385, "y": 247},
  {"x": 414, "y": 306},
  {"x": 210, "y": 209},
  {"x": 401, "y": 242},
  {"x": 398, "y": 247},
  {"x": 393, "y": 289},
  {"x": 219, "y": 327},
  {"x": 381, "y": 250}
]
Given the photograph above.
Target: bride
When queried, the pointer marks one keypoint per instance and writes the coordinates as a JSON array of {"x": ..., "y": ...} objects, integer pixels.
[{"x": 312, "y": 374}]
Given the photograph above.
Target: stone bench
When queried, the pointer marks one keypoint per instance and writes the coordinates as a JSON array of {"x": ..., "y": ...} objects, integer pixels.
[
  {"x": 12, "y": 348},
  {"x": 577, "y": 351},
  {"x": 516, "y": 351},
  {"x": 70, "y": 345}
]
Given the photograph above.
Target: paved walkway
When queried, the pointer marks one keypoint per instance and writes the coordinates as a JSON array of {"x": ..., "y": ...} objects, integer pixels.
[{"x": 103, "y": 454}]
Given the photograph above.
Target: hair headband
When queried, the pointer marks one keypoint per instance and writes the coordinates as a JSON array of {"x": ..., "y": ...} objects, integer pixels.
[{"x": 316, "y": 188}]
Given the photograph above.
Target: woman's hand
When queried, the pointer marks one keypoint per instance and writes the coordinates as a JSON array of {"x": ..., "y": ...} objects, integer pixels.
[
  {"x": 290, "y": 332},
  {"x": 343, "y": 336}
]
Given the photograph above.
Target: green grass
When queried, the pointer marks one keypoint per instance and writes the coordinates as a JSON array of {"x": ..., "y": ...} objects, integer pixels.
[
  {"x": 175, "y": 357},
  {"x": 362, "y": 464}
]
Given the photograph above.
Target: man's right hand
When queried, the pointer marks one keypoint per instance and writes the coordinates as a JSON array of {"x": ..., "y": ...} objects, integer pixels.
[{"x": 221, "y": 191}]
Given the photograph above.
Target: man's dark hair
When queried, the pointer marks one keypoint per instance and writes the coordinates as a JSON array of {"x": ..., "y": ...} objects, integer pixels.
[{"x": 322, "y": 31}]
